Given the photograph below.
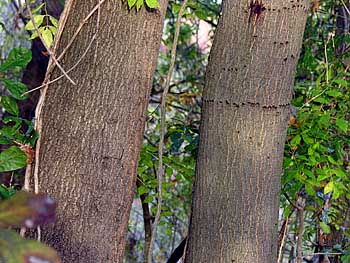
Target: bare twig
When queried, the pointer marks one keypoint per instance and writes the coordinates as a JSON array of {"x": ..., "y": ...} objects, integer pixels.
[
  {"x": 52, "y": 55},
  {"x": 160, "y": 173},
  {"x": 81, "y": 25}
]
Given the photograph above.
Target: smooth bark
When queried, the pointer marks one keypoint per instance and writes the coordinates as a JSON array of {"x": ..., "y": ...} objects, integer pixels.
[
  {"x": 92, "y": 131},
  {"x": 246, "y": 104}
]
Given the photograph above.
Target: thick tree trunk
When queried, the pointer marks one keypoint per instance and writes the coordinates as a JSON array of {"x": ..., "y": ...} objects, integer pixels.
[
  {"x": 246, "y": 103},
  {"x": 92, "y": 132}
]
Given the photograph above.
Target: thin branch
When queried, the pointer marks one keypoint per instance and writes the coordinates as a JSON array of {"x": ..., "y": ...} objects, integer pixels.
[
  {"x": 160, "y": 173},
  {"x": 38, "y": 122},
  {"x": 324, "y": 254},
  {"x": 346, "y": 7},
  {"x": 283, "y": 232},
  {"x": 52, "y": 55},
  {"x": 146, "y": 219},
  {"x": 81, "y": 25},
  {"x": 300, "y": 206}
]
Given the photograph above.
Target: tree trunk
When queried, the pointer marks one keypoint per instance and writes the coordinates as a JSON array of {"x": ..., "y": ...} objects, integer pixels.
[
  {"x": 246, "y": 104},
  {"x": 92, "y": 131}
]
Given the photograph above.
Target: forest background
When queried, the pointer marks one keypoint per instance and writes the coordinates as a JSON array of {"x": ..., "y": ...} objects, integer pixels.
[{"x": 315, "y": 180}]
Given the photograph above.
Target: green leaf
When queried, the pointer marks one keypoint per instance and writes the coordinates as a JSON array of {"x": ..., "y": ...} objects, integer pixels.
[
  {"x": 148, "y": 199},
  {"x": 46, "y": 35},
  {"x": 9, "y": 105},
  {"x": 15, "y": 249},
  {"x": 131, "y": 3},
  {"x": 325, "y": 120},
  {"x": 16, "y": 88},
  {"x": 139, "y": 4},
  {"x": 331, "y": 160},
  {"x": 334, "y": 93},
  {"x": 53, "y": 30},
  {"x": 336, "y": 193},
  {"x": 342, "y": 124},
  {"x": 6, "y": 192},
  {"x": 328, "y": 187},
  {"x": 200, "y": 14},
  {"x": 38, "y": 19},
  {"x": 176, "y": 8},
  {"x": 345, "y": 258},
  {"x": 12, "y": 159},
  {"x": 341, "y": 82},
  {"x": 27, "y": 209},
  {"x": 325, "y": 228},
  {"x": 142, "y": 190},
  {"x": 18, "y": 57},
  {"x": 296, "y": 140},
  {"x": 4, "y": 140},
  {"x": 321, "y": 100},
  {"x": 310, "y": 190},
  {"x": 37, "y": 9},
  {"x": 307, "y": 139},
  {"x": 54, "y": 21},
  {"x": 152, "y": 3},
  {"x": 339, "y": 172},
  {"x": 34, "y": 35}
]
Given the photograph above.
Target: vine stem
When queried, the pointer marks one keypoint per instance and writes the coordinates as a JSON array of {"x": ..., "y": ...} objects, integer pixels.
[
  {"x": 160, "y": 173},
  {"x": 81, "y": 25},
  {"x": 52, "y": 55},
  {"x": 280, "y": 250},
  {"x": 301, "y": 206}
]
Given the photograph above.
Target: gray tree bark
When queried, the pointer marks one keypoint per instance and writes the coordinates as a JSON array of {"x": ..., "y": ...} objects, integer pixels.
[
  {"x": 246, "y": 104},
  {"x": 92, "y": 132}
]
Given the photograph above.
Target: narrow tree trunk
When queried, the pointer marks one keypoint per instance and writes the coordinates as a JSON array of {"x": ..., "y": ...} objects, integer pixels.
[
  {"x": 92, "y": 131},
  {"x": 246, "y": 103}
]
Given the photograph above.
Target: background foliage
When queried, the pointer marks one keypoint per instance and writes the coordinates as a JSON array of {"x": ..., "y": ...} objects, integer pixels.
[{"x": 315, "y": 179}]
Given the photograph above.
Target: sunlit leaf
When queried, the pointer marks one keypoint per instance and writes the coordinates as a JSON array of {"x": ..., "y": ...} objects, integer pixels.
[
  {"x": 329, "y": 187},
  {"x": 325, "y": 228},
  {"x": 38, "y": 19},
  {"x": 54, "y": 21},
  {"x": 38, "y": 8},
  {"x": 152, "y": 3},
  {"x": 46, "y": 35},
  {"x": 139, "y": 3},
  {"x": 131, "y": 3}
]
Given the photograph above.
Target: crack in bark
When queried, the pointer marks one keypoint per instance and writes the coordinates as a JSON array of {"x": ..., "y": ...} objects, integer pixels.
[{"x": 248, "y": 103}]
